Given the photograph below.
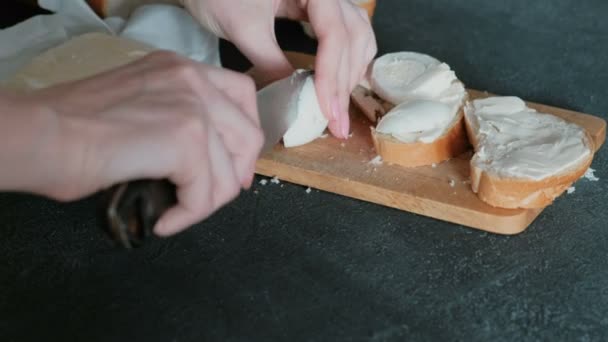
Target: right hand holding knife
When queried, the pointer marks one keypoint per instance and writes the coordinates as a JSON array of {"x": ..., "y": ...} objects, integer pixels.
[{"x": 163, "y": 117}]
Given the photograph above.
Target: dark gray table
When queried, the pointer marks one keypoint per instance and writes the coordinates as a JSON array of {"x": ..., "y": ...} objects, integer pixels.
[{"x": 286, "y": 265}]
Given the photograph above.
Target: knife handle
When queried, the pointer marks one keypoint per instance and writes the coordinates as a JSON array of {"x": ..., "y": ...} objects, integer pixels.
[{"x": 130, "y": 210}]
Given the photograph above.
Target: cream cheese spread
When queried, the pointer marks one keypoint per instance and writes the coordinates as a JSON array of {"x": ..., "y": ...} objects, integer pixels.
[
  {"x": 310, "y": 123},
  {"x": 417, "y": 84},
  {"x": 418, "y": 120},
  {"x": 516, "y": 141}
]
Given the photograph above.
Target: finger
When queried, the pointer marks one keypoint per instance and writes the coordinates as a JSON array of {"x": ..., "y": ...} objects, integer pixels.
[
  {"x": 344, "y": 89},
  {"x": 360, "y": 38},
  {"x": 257, "y": 41},
  {"x": 239, "y": 88},
  {"x": 225, "y": 182},
  {"x": 344, "y": 78},
  {"x": 370, "y": 53},
  {"x": 195, "y": 200},
  {"x": 335, "y": 126},
  {"x": 242, "y": 138},
  {"x": 240, "y": 131},
  {"x": 325, "y": 18},
  {"x": 372, "y": 48}
]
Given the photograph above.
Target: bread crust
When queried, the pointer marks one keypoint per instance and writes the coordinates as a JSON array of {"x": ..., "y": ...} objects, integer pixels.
[{"x": 513, "y": 193}]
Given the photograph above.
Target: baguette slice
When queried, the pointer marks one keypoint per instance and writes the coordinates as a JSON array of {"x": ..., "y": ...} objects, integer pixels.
[
  {"x": 410, "y": 84},
  {"x": 523, "y": 159},
  {"x": 450, "y": 144}
]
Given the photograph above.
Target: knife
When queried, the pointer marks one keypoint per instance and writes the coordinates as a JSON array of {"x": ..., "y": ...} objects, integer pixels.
[{"x": 130, "y": 210}]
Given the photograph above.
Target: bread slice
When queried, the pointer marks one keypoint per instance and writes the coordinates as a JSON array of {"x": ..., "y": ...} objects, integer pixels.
[
  {"x": 450, "y": 144},
  {"x": 523, "y": 159},
  {"x": 406, "y": 87},
  {"x": 78, "y": 58}
]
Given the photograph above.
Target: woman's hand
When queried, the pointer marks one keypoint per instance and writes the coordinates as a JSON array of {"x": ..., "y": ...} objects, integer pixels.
[
  {"x": 161, "y": 117},
  {"x": 346, "y": 43}
]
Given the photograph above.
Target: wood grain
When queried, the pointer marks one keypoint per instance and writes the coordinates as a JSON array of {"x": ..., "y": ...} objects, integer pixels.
[{"x": 442, "y": 192}]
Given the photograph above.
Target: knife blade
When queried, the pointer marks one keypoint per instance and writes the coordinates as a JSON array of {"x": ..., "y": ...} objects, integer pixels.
[{"x": 130, "y": 210}]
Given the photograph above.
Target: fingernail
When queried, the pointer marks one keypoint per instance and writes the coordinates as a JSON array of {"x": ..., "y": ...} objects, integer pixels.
[
  {"x": 248, "y": 179},
  {"x": 345, "y": 120},
  {"x": 159, "y": 228},
  {"x": 344, "y": 126},
  {"x": 335, "y": 108},
  {"x": 334, "y": 127}
]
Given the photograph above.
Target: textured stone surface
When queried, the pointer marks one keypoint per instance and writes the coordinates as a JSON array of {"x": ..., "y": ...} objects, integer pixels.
[{"x": 287, "y": 265}]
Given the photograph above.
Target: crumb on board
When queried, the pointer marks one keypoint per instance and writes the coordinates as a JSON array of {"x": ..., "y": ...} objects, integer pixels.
[
  {"x": 308, "y": 190},
  {"x": 263, "y": 182},
  {"x": 434, "y": 165},
  {"x": 275, "y": 180},
  {"x": 343, "y": 145},
  {"x": 590, "y": 175},
  {"x": 324, "y": 136},
  {"x": 331, "y": 157},
  {"x": 351, "y": 135},
  {"x": 571, "y": 190},
  {"x": 376, "y": 161},
  {"x": 452, "y": 183}
]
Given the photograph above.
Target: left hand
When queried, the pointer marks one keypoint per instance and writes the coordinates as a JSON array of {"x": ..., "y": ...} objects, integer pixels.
[{"x": 347, "y": 43}]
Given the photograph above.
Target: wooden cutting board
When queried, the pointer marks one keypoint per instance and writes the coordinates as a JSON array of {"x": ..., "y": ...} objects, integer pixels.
[{"x": 442, "y": 192}]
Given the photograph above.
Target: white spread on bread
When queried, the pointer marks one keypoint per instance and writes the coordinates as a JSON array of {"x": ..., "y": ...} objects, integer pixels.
[
  {"x": 418, "y": 120},
  {"x": 426, "y": 92},
  {"x": 310, "y": 122},
  {"x": 516, "y": 141},
  {"x": 403, "y": 76}
]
